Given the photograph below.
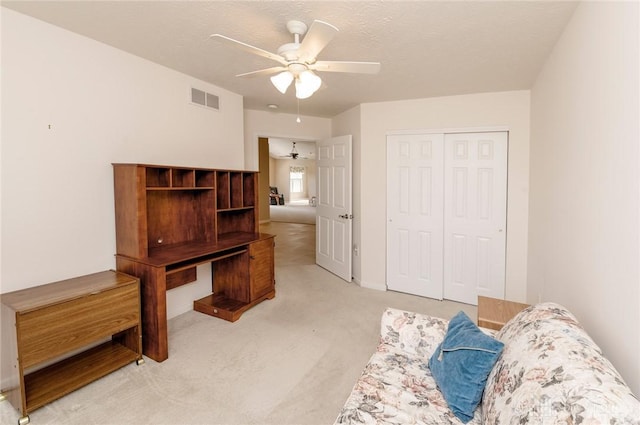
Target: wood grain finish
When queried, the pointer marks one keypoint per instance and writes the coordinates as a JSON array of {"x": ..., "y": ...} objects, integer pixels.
[
  {"x": 241, "y": 281},
  {"x": 177, "y": 278},
  {"x": 153, "y": 289},
  {"x": 171, "y": 219},
  {"x": 52, "y": 331},
  {"x": 218, "y": 305},
  {"x": 59, "y": 379},
  {"x": 231, "y": 277},
  {"x": 262, "y": 272},
  {"x": 494, "y": 313},
  {"x": 37, "y": 297},
  {"x": 42, "y": 324},
  {"x": 179, "y": 216},
  {"x": 131, "y": 229}
]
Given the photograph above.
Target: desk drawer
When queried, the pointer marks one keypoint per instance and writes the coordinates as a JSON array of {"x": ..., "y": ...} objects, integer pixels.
[{"x": 52, "y": 331}]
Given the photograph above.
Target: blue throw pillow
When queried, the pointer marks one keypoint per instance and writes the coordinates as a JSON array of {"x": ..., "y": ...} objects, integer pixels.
[{"x": 461, "y": 365}]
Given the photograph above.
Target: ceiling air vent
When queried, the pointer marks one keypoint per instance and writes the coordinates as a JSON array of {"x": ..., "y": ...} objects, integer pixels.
[{"x": 202, "y": 98}]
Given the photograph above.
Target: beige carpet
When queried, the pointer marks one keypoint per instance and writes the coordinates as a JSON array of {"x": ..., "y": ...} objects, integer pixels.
[
  {"x": 290, "y": 360},
  {"x": 293, "y": 213}
]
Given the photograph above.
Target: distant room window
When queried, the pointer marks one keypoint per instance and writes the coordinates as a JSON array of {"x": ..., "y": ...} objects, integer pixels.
[{"x": 296, "y": 179}]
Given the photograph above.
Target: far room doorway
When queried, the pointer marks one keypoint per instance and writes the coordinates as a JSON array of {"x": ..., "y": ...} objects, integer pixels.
[{"x": 288, "y": 188}]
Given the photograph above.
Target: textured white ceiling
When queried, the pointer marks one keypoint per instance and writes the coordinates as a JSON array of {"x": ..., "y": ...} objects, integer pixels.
[{"x": 427, "y": 48}]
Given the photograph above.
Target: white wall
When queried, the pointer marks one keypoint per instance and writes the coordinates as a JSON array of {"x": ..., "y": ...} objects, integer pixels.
[
  {"x": 507, "y": 109},
  {"x": 275, "y": 124},
  {"x": 584, "y": 215},
  {"x": 102, "y": 106}
]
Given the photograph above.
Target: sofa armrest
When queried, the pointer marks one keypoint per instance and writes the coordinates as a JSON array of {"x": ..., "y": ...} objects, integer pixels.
[
  {"x": 551, "y": 368},
  {"x": 414, "y": 333}
]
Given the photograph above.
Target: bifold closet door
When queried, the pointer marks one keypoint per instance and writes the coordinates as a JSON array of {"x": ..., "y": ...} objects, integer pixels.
[
  {"x": 415, "y": 214},
  {"x": 446, "y": 215},
  {"x": 475, "y": 215}
]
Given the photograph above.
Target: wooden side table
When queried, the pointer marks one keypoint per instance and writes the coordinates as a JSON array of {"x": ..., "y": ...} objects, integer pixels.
[
  {"x": 61, "y": 336},
  {"x": 494, "y": 313}
]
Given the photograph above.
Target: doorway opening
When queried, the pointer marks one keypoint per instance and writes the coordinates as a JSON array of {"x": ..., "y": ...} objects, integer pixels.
[
  {"x": 289, "y": 184},
  {"x": 295, "y": 231}
]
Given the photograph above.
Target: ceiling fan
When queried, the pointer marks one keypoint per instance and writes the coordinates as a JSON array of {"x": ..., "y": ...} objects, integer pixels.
[
  {"x": 294, "y": 153},
  {"x": 298, "y": 60}
]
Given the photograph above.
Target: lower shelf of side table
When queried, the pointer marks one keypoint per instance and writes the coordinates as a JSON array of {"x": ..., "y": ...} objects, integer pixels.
[{"x": 52, "y": 382}]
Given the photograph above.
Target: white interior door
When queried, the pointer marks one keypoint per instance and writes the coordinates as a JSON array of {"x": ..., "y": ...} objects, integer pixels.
[
  {"x": 415, "y": 220},
  {"x": 475, "y": 215},
  {"x": 334, "y": 202}
]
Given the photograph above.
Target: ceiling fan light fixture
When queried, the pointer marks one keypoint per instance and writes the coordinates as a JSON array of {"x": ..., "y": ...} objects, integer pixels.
[
  {"x": 307, "y": 83},
  {"x": 298, "y": 58},
  {"x": 282, "y": 81}
]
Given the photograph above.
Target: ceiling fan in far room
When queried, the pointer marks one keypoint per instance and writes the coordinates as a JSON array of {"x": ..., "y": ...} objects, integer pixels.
[
  {"x": 294, "y": 153},
  {"x": 298, "y": 60}
]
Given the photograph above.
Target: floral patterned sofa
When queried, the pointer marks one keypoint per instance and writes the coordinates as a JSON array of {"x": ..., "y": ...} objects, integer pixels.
[{"x": 550, "y": 372}]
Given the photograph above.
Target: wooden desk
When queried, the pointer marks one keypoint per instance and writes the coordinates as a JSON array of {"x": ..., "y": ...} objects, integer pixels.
[
  {"x": 494, "y": 313},
  {"x": 170, "y": 219},
  {"x": 242, "y": 276}
]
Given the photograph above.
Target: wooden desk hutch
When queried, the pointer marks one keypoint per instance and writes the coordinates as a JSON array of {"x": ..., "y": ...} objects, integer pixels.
[{"x": 171, "y": 219}]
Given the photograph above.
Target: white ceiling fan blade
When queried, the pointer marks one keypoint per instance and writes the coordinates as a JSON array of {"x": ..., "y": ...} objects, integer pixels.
[
  {"x": 346, "y": 66},
  {"x": 318, "y": 36},
  {"x": 260, "y": 72},
  {"x": 248, "y": 48}
]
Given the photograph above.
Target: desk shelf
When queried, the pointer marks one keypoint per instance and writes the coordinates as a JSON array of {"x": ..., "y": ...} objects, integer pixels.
[{"x": 221, "y": 306}]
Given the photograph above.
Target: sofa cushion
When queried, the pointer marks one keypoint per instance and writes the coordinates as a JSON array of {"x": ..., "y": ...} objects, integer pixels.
[
  {"x": 551, "y": 371},
  {"x": 414, "y": 333},
  {"x": 396, "y": 386},
  {"x": 461, "y": 364}
]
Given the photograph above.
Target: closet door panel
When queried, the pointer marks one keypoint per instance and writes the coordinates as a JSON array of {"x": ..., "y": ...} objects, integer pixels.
[
  {"x": 475, "y": 168},
  {"x": 415, "y": 214}
]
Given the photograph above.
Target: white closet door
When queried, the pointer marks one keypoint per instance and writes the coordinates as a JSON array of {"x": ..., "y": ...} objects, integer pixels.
[
  {"x": 475, "y": 215},
  {"x": 415, "y": 214}
]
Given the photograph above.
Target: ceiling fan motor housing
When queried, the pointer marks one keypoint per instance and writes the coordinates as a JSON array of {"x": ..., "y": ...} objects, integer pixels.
[
  {"x": 297, "y": 27},
  {"x": 289, "y": 51}
]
